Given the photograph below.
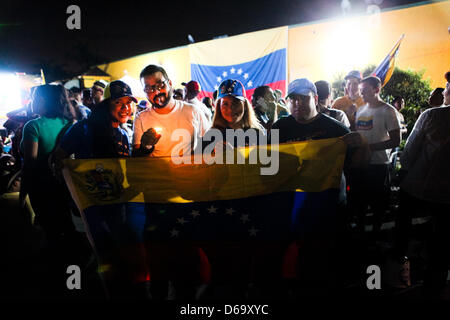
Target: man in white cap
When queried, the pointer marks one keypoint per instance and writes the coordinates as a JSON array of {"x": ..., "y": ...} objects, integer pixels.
[{"x": 305, "y": 122}]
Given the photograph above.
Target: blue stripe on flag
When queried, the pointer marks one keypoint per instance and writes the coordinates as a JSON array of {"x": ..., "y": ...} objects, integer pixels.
[{"x": 268, "y": 69}]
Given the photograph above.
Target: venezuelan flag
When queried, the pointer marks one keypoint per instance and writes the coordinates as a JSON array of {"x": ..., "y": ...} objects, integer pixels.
[
  {"x": 255, "y": 59},
  {"x": 386, "y": 68},
  {"x": 135, "y": 209}
]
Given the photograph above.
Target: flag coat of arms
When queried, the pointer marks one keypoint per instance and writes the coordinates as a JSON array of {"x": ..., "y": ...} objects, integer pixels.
[
  {"x": 130, "y": 206},
  {"x": 255, "y": 59}
]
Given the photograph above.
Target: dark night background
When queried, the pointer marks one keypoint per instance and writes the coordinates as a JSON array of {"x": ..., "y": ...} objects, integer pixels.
[{"x": 33, "y": 34}]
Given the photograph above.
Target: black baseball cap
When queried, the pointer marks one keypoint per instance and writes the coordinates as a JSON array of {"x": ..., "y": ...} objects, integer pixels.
[{"x": 118, "y": 89}]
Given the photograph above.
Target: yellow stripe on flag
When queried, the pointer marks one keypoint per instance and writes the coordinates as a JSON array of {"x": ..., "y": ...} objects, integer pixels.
[{"x": 311, "y": 166}]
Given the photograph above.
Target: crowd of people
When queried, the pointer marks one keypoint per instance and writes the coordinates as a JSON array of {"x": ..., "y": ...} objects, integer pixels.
[{"x": 106, "y": 121}]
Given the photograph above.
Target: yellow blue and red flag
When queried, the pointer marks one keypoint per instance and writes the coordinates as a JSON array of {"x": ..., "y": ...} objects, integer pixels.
[
  {"x": 256, "y": 59},
  {"x": 386, "y": 68},
  {"x": 129, "y": 205}
]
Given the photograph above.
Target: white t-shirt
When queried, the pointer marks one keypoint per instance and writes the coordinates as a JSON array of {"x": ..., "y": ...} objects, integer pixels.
[
  {"x": 203, "y": 108},
  {"x": 183, "y": 116},
  {"x": 374, "y": 124}
]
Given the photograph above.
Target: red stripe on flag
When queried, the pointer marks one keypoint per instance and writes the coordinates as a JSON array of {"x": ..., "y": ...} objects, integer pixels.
[{"x": 275, "y": 85}]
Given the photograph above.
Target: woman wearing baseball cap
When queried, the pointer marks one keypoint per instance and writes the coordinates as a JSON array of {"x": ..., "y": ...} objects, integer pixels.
[
  {"x": 233, "y": 111},
  {"x": 100, "y": 136}
]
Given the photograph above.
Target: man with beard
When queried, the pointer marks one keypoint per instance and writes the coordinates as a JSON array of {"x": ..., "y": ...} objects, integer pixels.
[{"x": 153, "y": 127}]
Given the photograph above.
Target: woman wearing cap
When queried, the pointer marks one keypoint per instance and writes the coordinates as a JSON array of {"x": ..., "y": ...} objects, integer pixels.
[
  {"x": 100, "y": 136},
  {"x": 233, "y": 111}
]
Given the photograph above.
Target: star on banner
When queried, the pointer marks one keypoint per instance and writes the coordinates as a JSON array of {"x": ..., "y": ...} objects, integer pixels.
[
  {"x": 244, "y": 218},
  {"x": 232, "y": 70},
  {"x": 230, "y": 211},
  {"x": 253, "y": 231},
  {"x": 224, "y": 74},
  {"x": 181, "y": 221},
  {"x": 195, "y": 213},
  {"x": 219, "y": 79},
  {"x": 245, "y": 75},
  {"x": 249, "y": 84},
  {"x": 216, "y": 87},
  {"x": 239, "y": 71},
  {"x": 212, "y": 209},
  {"x": 174, "y": 233}
]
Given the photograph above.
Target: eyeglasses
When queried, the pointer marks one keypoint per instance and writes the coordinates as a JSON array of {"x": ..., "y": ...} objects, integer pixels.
[
  {"x": 299, "y": 98},
  {"x": 159, "y": 86}
]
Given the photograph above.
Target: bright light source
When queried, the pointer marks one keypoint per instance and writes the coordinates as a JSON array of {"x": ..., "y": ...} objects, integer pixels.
[
  {"x": 9, "y": 93},
  {"x": 347, "y": 47}
]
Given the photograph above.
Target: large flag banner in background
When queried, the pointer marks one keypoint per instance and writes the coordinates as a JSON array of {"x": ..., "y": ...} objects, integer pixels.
[
  {"x": 255, "y": 59},
  {"x": 386, "y": 68},
  {"x": 130, "y": 204}
]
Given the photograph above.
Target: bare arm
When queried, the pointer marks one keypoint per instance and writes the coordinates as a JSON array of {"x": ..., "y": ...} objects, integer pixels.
[{"x": 30, "y": 152}]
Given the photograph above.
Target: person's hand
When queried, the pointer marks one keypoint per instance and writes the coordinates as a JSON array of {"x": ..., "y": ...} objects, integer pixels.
[
  {"x": 354, "y": 139},
  {"x": 150, "y": 138}
]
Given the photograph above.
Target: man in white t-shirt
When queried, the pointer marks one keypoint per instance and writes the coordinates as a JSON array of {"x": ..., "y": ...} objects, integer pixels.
[
  {"x": 378, "y": 123},
  {"x": 158, "y": 131}
]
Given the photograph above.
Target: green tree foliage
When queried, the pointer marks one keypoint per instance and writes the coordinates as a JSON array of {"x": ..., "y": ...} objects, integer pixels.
[{"x": 404, "y": 83}]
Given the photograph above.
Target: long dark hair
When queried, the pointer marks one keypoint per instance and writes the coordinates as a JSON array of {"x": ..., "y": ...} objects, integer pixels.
[
  {"x": 56, "y": 101},
  {"x": 100, "y": 122}
]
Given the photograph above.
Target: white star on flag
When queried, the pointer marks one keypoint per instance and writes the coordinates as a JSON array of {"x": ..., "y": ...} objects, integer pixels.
[
  {"x": 216, "y": 87},
  {"x": 212, "y": 209},
  {"x": 253, "y": 231},
  {"x": 249, "y": 84},
  {"x": 181, "y": 221},
  {"x": 174, "y": 233},
  {"x": 244, "y": 218},
  {"x": 232, "y": 70},
  {"x": 245, "y": 75},
  {"x": 230, "y": 211},
  {"x": 219, "y": 79},
  {"x": 239, "y": 71},
  {"x": 195, "y": 213},
  {"x": 224, "y": 74}
]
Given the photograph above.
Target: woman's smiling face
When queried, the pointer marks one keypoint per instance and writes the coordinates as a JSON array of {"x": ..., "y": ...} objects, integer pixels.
[
  {"x": 121, "y": 110},
  {"x": 232, "y": 109}
]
